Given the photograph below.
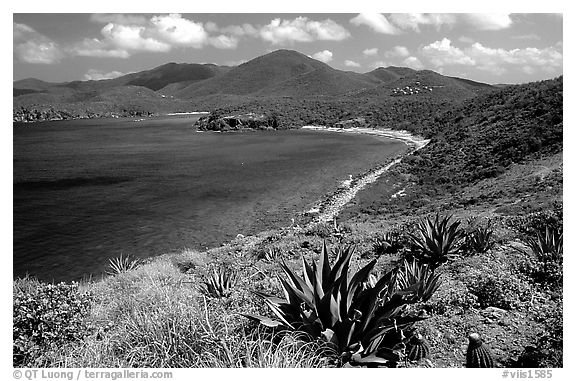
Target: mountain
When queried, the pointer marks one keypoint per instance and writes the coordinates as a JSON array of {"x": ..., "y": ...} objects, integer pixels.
[
  {"x": 269, "y": 79},
  {"x": 280, "y": 73},
  {"x": 390, "y": 73}
]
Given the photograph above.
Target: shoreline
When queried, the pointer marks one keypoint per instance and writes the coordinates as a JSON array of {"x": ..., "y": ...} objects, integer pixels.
[{"x": 333, "y": 204}]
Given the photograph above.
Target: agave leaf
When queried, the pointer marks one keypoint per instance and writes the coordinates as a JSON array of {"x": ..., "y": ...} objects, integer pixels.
[
  {"x": 356, "y": 281},
  {"x": 295, "y": 296},
  {"x": 264, "y": 320},
  {"x": 323, "y": 264}
]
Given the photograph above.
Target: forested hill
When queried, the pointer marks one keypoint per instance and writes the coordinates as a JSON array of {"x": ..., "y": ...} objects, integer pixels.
[{"x": 482, "y": 136}]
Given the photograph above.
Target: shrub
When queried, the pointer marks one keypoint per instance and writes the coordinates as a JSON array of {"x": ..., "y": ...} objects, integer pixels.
[
  {"x": 436, "y": 239},
  {"x": 494, "y": 291},
  {"x": 220, "y": 283},
  {"x": 363, "y": 321},
  {"x": 45, "y": 317},
  {"x": 479, "y": 240},
  {"x": 389, "y": 243},
  {"x": 419, "y": 275},
  {"x": 122, "y": 264},
  {"x": 546, "y": 264}
]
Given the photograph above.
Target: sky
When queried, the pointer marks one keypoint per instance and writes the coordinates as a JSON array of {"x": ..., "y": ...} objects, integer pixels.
[{"x": 486, "y": 47}]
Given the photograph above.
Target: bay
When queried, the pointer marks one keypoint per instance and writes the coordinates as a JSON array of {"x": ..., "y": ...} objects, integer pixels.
[{"x": 86, "y": 191}]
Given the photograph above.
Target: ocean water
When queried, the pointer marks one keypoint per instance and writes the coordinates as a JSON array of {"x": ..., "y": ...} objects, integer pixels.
[{"x": 89, "y": 190}]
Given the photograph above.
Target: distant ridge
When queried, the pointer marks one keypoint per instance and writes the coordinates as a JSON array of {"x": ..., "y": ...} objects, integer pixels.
[{"x": 274, "y": 77}]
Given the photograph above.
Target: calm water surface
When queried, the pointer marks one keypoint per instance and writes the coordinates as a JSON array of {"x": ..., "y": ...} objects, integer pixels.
[{"x": 87, "y": 191}]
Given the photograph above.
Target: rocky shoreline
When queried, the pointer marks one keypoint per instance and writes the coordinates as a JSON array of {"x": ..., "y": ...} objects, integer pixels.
[{"x": 329, "y": 208}]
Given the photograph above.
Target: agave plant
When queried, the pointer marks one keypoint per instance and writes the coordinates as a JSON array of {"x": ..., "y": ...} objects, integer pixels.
[
  {"x": 390, "y": 243},
  {"x": 271, "y": 255},
  {"x": 547, "y": 246},
  {"x": 436, "y": 239},
  {"x": 121, "y": 264},
  {"x": 220, "y": 283},
  {"x": 479, "y": 240},
  {"x": 418, "y": 277},
  {"x": 362, "y": 320}
]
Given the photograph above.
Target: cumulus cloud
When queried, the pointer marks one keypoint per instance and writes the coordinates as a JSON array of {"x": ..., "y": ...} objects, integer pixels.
[
  {"x": 324, "y": 56},
  {"x": 414, "y": 20},
  {"x": 396, "y": 23},
  {"x": 93, "y": 47},
  {"x": 133, "y": 37},
  {"x": 32, "y": 47},
  {"x": 223, "y": 42},
  {"x": 302, "y": 29},
  {"x": 377, "y": 64},
  {"x": 97, "y": 75},
  {"x": 397, "y": 51},
  {"x": 174, "y": 29},
  {"x": 375, "y": 21},
  {"x": 370, "y": 52},
  {"x": 442, "y": 53},
  {"x": 240, "y": 30},
  {"x": 118, "y": 18},
  {"x": 413, "y": 62},
  {"x": 122, "y": 35},
  {"x": 350, "y": 63},
  {"x": 495, "y": 60}
]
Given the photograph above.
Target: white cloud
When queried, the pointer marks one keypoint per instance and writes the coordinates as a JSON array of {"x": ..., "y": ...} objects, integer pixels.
[
  {"x": 125, "y": 34},
  {"x": 489, "y": 21},
  {"x": 302, "y": 29},
  {"x": 397, "y": 51},
  {"x": 133, "y": 37},
  {"x": 240, "y": 30},
  {"x": 93, "y": 47},
  {"x": 377, "y": 64},
  {"x": 324, "y": 56},
  {"x": 174, "y": 29},
  {"x": 413, "y": 62},
  {"x": 32, "y": 47},
  {"x": 118, "y": 18},
  {"x": 480, "y": 21},
  {"x": 491, "y": 59},
  {"x": 375, "y": 21},
  {"x": 97, "y": 75},
  {"x": 442, "y": 53},
  {"x": 224, "y": 42},
  {"x": 414, "y": 20},
  {"x": 350, "y": 63},
  {"x": 494, "y": 60},
  {"x": 370, "y": 52}
]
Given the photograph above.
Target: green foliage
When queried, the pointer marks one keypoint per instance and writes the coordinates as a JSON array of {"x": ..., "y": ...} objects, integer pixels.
[
  {"x": 122, "y": 264},
  {"x": 418, "y": 276},
  {"x": 389, "y": 243},
  {"x": 220, "y": 283},
  {"x": 498, "y": 291},
  {"x": 363, "y": 320},
  {"x": 537, "y": 222},
  {"x": 436, "y": 239},
  {"x": 46, "y": 317},
  {"x": 547, "y": 248},
  {"x": 272, "y": 255},
  {"x": 479, "y": 240}
]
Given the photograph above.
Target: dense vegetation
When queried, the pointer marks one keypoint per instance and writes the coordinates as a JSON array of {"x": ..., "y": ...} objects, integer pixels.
[{"x": 484, "y": 135}]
